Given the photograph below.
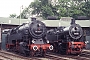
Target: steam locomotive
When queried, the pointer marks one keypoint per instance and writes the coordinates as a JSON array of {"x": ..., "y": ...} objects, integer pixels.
[
  {"x": 29, "y": 39},
  {"x": 69, "y": 40}
]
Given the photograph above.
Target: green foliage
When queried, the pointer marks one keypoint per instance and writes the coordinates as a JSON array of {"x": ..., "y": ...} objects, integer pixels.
[
  {"x": 47, "y": 11},
  {"x": 36, "y": 6},
  {"x": 86, "y": 9},
  {"x": 12, "y": 16},
  {"x": 24, "y": 14},
  {"x": 64, "y": 8}
]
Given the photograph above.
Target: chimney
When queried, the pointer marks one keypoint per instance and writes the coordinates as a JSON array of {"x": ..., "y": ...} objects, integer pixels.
[
  {"x": 72, "y": 21},
  {"x": 33, "y": 18}
]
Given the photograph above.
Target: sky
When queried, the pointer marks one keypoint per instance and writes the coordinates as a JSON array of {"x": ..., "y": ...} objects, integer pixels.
[{"x": 8, "y": 7}]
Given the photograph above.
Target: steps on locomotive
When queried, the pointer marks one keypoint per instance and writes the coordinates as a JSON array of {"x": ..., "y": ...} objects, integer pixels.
[{"x": 63, "y": 48}]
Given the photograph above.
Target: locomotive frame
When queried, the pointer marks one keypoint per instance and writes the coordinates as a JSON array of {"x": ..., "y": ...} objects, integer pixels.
[
  {"x": 69, "y": 39},
  {"x": 29, "y": 39}
]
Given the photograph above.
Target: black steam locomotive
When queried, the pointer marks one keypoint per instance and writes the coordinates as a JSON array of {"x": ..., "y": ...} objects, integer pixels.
[
  {"x": 69, "y": 40},
  {"x": 29, "y": 39}
]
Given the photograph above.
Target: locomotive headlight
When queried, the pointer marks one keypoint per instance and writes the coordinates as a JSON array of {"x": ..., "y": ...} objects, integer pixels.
[
  {"x": 33, "y": 41},
  {"x": 86, "y": 42},
  {"x": 72, "y": 42},
  {"x": 39, "y": 24},
  {"x": 35, "y": 48},
  {"x": 47, "y": 41},
  {"x": 51, "y": 47}
]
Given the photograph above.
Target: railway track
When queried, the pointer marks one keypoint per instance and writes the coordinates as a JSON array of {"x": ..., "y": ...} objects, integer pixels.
[
  {"x": 12, "y": 56},
  {"x": 4, "y": 58},
  {"x": 85, "y": 53},
  {"x": 49, "y": 56},
  {"x": 55, "y": 57},
  {"x": 70, "y": 57}
]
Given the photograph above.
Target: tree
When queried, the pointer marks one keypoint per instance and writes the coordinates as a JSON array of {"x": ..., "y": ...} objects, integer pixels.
[
  {"x": 64, "y": 8},
  {"x": 12, "y": 16},
  {"x": 46, "y": 11},
  {"x": 86, "y": 9},
  {"x": 43, "y": 8},
  {"x": 36, "y": 6},
  {"x": 24, "y": 14}
]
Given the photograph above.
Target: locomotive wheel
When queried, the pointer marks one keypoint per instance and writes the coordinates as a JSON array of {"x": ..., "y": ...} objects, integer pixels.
[
  {"x": 68, "y": 53},
  {"x": 63, "y": 52},
  {"x": 7, "y": 49},
  {"x": 32, "y": 53},
  {"x": 26, "y": 53},
  {"x": 43, "y": 54}
]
